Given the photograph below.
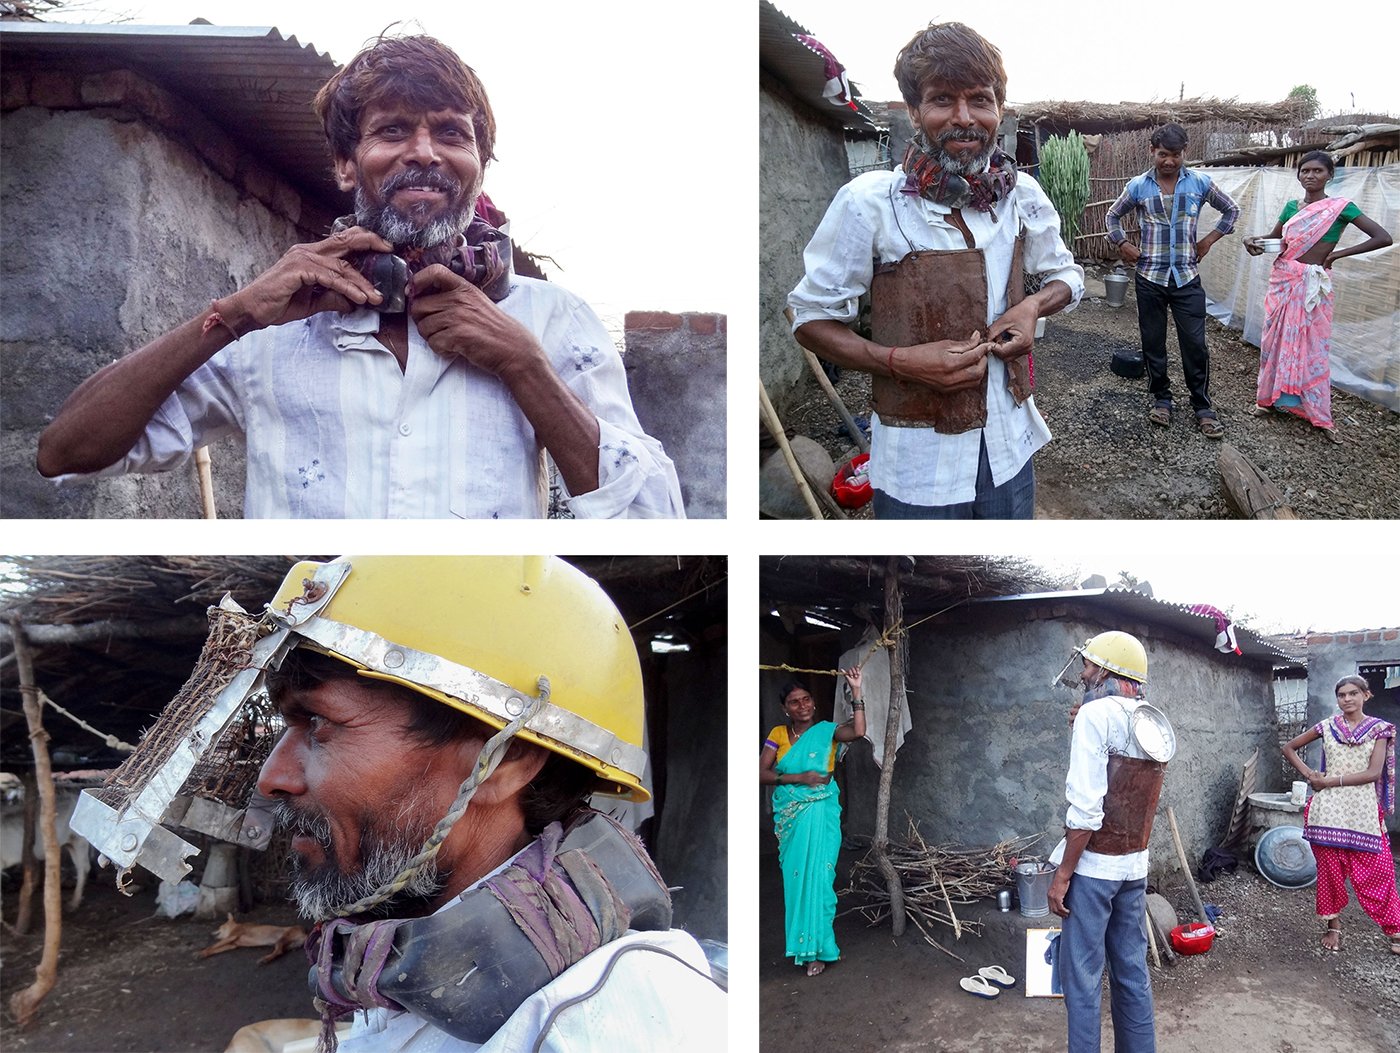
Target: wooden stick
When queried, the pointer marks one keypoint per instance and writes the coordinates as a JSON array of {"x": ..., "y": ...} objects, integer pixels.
[
  {"x": 1186, "y": 867},
  {"x": 894, "y": 615},
  {"x": 775, "y": 429},
  {"x": 24, "y": 1004},
  {"x": 1152, "y": 938},
  {"x": 835, "y": 398},
  {"x": 206, "y": 482}
]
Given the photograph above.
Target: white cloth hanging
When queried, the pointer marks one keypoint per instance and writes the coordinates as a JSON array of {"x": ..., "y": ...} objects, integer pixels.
[{"x": 875, "y": 690}]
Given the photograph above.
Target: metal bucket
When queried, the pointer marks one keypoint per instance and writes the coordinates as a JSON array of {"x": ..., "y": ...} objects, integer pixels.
[
  {"x": 1033, "y": 888},
  {"x": 1115, "y": 286}
]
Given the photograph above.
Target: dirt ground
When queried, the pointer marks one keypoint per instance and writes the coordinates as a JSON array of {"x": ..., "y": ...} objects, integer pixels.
[
  {"x": 128, "y": 981},
  {"x": 1107, "y": 461},
  {"x": 1264, "y": 987}
]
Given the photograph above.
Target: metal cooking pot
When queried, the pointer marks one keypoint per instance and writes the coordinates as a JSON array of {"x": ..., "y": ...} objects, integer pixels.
[{"x": 1270, "y": 244}]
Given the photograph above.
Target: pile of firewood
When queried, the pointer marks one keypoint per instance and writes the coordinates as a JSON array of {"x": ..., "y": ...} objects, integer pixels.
[{"x": 936, "y": 879}]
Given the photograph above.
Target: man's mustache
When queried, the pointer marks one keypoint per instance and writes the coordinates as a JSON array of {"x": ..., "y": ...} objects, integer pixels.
[
  {"x": 295, "y": 821},
  {"x": 963, "y": 135},
  {"x": 420, "y": 179}
]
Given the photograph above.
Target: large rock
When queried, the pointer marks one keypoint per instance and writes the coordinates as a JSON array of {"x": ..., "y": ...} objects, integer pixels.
[{"x": 778, "y": 496}]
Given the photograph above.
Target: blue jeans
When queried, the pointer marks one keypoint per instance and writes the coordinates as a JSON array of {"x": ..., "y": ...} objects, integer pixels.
[
  {"x": 1107, "y": 920},
  {"x": 1013, "y": 499}
]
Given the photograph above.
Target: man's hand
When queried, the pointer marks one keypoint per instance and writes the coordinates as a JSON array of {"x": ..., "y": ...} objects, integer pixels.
[
  {"x": 1129, "y": 252},
  {"x": 457, "y": 318},
  {"x": 944, "y": 365},
  {"x": 1203, "y": 246},
  {"x": 307, "y": 280},
  {"x": 1013, "y": 334},
  {"x": 1059, "y": 888},
  {"x": 1251, "y": 246}
]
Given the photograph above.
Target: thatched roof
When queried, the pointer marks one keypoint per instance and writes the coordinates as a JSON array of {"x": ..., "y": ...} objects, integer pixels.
[
  {"x": 837, "y": 585},
  {"x": 1341, "y": 141},
  {"x": 114, "y": 637},
  {"x": 1057, "y": 117}
]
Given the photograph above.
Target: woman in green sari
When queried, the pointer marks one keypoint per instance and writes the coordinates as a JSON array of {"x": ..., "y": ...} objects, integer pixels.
[{"x": 797, "y": 760}]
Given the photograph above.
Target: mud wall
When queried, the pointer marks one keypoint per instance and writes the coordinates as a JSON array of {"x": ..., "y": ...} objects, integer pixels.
[
  {"x": 804, "y": 164},
  {"x": 170, "y": 216}
]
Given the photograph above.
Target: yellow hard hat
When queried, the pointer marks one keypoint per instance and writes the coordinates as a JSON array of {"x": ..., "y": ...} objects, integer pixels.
[
  {"x": 1118, "y": 652},
  {"x": 478, "y": 633}
]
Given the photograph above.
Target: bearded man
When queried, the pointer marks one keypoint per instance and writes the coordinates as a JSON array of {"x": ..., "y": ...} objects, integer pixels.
[
  {"x": 358, "y": 398},
  {"x": 941, "y": 245}
]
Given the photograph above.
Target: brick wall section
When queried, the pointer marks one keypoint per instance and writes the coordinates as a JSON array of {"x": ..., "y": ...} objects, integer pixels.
[
  {"x": 676, "y": 374},
  {"x": 122, "y": 95}
]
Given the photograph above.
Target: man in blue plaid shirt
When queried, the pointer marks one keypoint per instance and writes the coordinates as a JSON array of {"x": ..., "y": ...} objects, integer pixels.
[{"x": 1168, "y": 199}]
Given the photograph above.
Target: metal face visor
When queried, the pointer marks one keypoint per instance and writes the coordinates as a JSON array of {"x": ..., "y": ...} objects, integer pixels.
[
  {"x": 198, "y": 765},
  {"x": 1063, "y": 677}
]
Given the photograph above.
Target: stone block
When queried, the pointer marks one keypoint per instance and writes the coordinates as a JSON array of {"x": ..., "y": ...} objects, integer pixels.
[
  {"x": 652, "y": 320},
  {"x": 54, "y": 91},
  {"x": 14, "y": 90},
  {"x": 778, "y": 493}
]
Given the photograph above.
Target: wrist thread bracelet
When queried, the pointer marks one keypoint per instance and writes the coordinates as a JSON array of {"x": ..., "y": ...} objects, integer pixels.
[
  {"x": 216, "y": 319},
  {"x": 889, "y": 363}
]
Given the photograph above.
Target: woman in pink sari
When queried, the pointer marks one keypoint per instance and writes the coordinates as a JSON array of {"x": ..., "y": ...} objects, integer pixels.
[{"x": 1294, "y": 375}]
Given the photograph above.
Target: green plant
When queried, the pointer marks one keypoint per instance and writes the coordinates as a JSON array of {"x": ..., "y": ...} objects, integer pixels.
[{"x": 1064, "y": 175}]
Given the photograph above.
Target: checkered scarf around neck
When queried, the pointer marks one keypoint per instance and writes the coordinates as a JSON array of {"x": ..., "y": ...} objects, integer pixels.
[
  {"x": 482, "y": 255},
  {"x": 1113, "y": 685},
  {"x": 923, "y": 177}
]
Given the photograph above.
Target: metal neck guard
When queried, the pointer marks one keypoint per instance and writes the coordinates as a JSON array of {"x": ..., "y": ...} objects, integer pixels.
[{"x": 467, "y": 968}]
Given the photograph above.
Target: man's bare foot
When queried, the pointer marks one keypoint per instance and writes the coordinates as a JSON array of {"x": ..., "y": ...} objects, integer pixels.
[
  {"x": 1332, "y": 938},
  {"x": 815, "y": 968},
  {"x": 1395, "y": 944}
]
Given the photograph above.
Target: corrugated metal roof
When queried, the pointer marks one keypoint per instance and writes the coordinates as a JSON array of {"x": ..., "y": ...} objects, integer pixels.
[
  {"x": 253, "y": 82},
  {"x": 803, "y": 71},
  {"x": 1176, "y": 616}
]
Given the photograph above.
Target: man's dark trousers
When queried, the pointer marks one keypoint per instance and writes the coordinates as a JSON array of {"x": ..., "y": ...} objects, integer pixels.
[{"x": 1188, "y": 307}]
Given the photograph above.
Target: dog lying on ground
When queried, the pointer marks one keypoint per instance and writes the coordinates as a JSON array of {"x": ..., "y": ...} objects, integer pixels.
[{"x": 233, "y": 934}]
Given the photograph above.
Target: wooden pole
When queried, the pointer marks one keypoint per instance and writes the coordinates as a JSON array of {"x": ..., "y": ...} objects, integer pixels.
[
  {"x": 894, "y": 625},
  {"x": 1186, "y": 868},
  {"x": 29, "y": 861},
  {"x": 775, "y": 429},
  {"x": 24, "y": 1004},
  {"x": 826, "y": 385},
  {"x": 206, "y": 482}
]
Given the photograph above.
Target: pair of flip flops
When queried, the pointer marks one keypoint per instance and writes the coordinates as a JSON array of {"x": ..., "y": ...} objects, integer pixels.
[{"x": 988, "y": 983}]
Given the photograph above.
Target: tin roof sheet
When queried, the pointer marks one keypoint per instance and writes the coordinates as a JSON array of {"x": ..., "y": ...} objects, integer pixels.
[{"x": 256, "y": 84}]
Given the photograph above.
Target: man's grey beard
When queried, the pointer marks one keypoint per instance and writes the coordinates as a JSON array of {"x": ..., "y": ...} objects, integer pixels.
[
  {"x": 961, "y": 165},
  {"x": 408, "y": 230},
  {"x": 385, "y": 851}
]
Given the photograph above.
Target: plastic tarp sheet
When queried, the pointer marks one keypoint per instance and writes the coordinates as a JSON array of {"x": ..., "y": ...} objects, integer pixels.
[{"x": 1366, "y": 320}]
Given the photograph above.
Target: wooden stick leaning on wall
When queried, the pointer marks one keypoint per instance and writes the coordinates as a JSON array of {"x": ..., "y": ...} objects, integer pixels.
[
  {"x": 24, "y": 1004},
  {"x": 205, "y": 475}
]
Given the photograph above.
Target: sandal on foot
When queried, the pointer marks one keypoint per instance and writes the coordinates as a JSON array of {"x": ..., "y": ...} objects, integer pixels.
[
  {"x": 1331, "y": 928},
  {"x": 1210, "y": 427},
  {"x": 1262, "y": 411},
  {"x": 997, "y": 975},
  {"x": 1161, "y": 416},
  {"x": 816, "y": 968},
  {"x": 1332, "y": 435},
  {"x": 1395, "y": 944},
  {"x": 975, "y": 985}
]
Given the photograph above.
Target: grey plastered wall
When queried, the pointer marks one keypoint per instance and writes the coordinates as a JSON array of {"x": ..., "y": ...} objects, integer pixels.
[
  {"x": 676, "y": 375},
  {"x": 1332, "y": 656},
  {"x": 692, "y": 837},
  {"x": 987, "y": 756},
  {"x": 154, "y": 234},
  {"x": 802, "y": 163}
]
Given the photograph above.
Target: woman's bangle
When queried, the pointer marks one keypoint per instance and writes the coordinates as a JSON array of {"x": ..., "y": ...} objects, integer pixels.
[
  {"x": 1339, "y": 778},
  {"x": 857, "y": 704},
  {"x": 889, "y": 363}
]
